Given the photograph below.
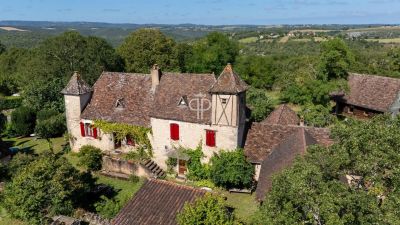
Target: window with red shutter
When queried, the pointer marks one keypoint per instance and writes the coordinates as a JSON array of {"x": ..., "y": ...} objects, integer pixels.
[
  {"x": 174, "y": 131},
  {"x": 94, "y": 132},
  {"x": 82, "y": 129},
  {"x": 210, "y": 138}
]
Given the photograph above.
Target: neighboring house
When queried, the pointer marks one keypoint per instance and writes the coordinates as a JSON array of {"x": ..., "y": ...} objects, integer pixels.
[
  {"x": 182, "y": 110},
  {"x": 368, "y": 95},
  {"x": 157, "y": 202},
  {"x": 274, "y": 143}
]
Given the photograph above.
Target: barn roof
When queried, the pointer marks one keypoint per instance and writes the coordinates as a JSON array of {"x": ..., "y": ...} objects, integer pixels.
[
  {"x": 369, "y": 91},
  {"x": 157, "y": 202}
]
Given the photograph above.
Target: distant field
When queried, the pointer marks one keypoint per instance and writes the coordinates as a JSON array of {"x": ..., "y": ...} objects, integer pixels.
[
  {"x": 11, "y": 29},
  {"x": 374, "y": 29},
  {"x": 248, "y": 40},
  {"x": 284, "y": 39},
  {"x": 386, "y": 40}
]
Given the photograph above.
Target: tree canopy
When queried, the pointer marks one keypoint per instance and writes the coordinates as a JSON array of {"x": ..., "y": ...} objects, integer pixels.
[
  {"x": 47, "y": 186},
  {"x": 207, "y": 210},
  {"x": 312, "y": 191},
  {"x": 212, "y": 53},
  {"x": 146, "y": 47},
  {"x": 230, "y": 169}
]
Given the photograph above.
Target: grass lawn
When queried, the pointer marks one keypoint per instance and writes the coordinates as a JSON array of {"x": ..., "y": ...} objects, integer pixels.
[
  {"x": 125, "y": 189},
  {"x": 36, "y": 145},
  {"x": 245, "y": 205}
]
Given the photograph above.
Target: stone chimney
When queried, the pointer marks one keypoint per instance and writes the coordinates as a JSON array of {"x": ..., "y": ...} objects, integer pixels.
[{"x": 155, "y": 76}]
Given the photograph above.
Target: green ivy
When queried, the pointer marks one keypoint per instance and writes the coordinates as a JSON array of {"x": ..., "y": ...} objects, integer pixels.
[
  {"x": 122, "y": 130},
  {"x": 197, "y": 170}
]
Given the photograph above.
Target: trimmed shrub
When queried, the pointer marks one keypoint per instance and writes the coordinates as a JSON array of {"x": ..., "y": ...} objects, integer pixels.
[
  {"x": 23, "y": 121},
  {"x": 90, "y": 157},
  {"x": 50, "y": 125},
  {"x": 231, "y": 170},
  {"x": 133, "y": 178}
]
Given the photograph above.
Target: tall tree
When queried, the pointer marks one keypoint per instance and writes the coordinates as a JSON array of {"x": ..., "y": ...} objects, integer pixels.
[
  {"x": 55, "y": 60},
  {"x": 212, "y": 53},
  {"x": 257, "y": 71},
  {"x": 47, "y": 186},
  {"x": 146, "y": 47},
  {"x": 311, "y": 191},
  {"x": 335, "y": 59}
]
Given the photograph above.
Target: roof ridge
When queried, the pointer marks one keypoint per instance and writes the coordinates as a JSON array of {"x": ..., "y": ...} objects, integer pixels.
[
  {"x": 170, "y": 183},
  {"x": 374, "y": 76}
]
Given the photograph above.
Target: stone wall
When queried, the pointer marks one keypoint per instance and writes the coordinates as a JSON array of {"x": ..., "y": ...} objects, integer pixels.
[
  {"x": 190, "y": 135},
  {"x": 118, "y": 165}
]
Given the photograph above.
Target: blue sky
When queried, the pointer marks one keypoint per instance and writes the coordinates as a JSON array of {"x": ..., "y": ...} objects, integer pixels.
[{"x": 212, "y": 12}]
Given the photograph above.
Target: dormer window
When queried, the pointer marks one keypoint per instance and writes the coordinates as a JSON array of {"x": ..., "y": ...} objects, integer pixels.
[
  {"x": 120, "y": 104},
  {"x": 183, "y": 101}
]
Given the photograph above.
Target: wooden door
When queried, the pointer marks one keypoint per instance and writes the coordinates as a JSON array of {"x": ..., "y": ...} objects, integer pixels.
[{"x": 182, "y": 167}]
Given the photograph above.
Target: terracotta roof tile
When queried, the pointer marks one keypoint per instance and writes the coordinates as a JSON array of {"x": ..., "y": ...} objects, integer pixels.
[
  {"x": 133, "y": 91},
  {"x": 175, "y": 86},
  {"x": 76, "y": 86},
  {"x": 372, "y": 92},
  {"x": 262, "y": 138},
  {"x": 157, "y": 202},
  {"x": 229, "y": 82},
  {"x": 282, "y": 115},
  {"x": 282, "y": 157}
]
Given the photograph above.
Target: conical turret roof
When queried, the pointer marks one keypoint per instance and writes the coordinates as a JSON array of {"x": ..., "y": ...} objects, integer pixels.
[
  {"x": 229, "y": 82},
  {"x": 76, "y": 86}
]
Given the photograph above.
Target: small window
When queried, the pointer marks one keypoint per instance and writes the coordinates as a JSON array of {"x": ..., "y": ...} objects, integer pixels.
[
  {"x": 88, "y": 130},
  {"x": 183, "y": 101},
  {"x": 224, "y": 100},
  {"x": 210, "y": 138},
  {"x": 120, "y": 104},
  {"x": 174, "y": 131}
]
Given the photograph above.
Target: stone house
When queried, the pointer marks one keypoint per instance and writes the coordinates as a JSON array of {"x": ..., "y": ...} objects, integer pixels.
[
  {"x": 273, "y": 144},
  {"x": 182, "y": 110},
  {"x": 368, "y": 95}
]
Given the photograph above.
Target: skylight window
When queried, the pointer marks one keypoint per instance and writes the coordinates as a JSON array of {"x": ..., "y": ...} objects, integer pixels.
[
  {"x": 120, "y": 103},
  {"x": 183, "y": 101}
]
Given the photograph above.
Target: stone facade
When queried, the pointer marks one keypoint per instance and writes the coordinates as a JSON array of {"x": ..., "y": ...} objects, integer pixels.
[
  {"x": 224, "y": 112},
  {"x": 190, "y": 136}
]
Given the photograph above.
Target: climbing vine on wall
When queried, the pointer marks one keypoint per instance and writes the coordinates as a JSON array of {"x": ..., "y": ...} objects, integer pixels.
[
  {"x": 139, "y": 134},
  {"x": 197, "y": 170}
]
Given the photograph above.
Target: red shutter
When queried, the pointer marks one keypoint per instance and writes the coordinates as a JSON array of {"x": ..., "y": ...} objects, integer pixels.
[
  {"x": 174, "y": 131},
  {"x": 82, "y": 129},
  {"x": 210, "y": 138},
  {"x": 94, "y": 132}
]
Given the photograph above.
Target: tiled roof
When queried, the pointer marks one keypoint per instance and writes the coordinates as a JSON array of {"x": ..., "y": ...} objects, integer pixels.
[
  {"x": 175, "y": 86},
  {"x": 262, "y": 138},
  {"x": 76, "y": 86},
  {"x": 282, "y": 157},
  {"x": 283, "y": 115},
  {"x": 372, "y": 92},
  {"x": 229, "y": 82},
  {"x": 121, "y": 97},
  {"x": 157, "y": 202}
]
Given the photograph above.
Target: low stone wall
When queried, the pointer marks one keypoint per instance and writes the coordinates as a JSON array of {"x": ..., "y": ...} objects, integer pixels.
[{"x": 118, "y": 165}]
